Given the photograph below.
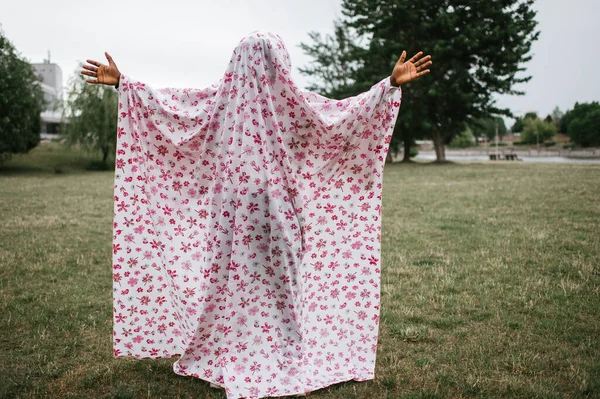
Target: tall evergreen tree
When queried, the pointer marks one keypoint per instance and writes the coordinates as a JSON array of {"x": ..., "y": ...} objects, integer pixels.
[{"x": 478, "y": 49}]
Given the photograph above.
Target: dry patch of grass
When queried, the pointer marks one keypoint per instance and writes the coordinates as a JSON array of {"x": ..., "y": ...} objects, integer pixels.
[{"x": 490, "y": 286}]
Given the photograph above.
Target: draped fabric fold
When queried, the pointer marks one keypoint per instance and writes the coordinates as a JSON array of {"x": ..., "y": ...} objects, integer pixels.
[{"x": 247, "y": 221}]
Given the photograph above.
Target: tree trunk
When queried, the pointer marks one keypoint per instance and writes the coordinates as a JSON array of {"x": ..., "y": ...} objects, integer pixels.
[
  {"x": 406, "y": 157},
  {"x": 407, "y": 140},
  {"x": 438, "y": 143},
  {"x": 105, "y": 152}
]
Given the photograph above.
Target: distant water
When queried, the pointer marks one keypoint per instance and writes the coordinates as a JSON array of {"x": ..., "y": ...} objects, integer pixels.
[{"x": 524, "y": 158}]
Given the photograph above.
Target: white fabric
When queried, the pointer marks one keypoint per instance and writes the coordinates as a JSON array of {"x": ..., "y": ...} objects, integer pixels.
[{"x": 247, "y": 226}]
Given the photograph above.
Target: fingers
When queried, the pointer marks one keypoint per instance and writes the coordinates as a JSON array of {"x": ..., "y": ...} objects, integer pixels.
[
  {"x": 87, "y": 73},
  {"x": 90, "y": 68},
  {"x": 423, "y": 66},
  {"x": 402, "y": 57},
  {"x": 422, "y": 60},
  {"x": 94, "y": 62},
  {"x": 109, "y": 58},
  {"x": 416, "y": 57},
  {"x": 425, "y": 72}
]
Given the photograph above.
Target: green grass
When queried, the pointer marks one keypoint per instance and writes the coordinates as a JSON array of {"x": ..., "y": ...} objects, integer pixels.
[{"x": 490, "y": 285}]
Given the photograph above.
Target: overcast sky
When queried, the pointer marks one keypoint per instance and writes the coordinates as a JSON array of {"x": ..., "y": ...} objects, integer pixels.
[{"x": 180, "y": 43}]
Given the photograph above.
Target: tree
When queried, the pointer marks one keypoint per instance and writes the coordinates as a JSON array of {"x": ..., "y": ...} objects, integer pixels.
[
  {"x": 531, "y": 115},
  {"x": 21, "y": 102},
  {"x": 583, "y": 124},
  {"x": 519, "y": 124},
  {"x": 337, "y": 60},
  {"x": 517, "y": 127},
  {"x": 487, "y": 127},
  {"x": 557, "y": 116},
  {"x": 478, "y": 49},
  {"x": 92, "y": 114},
  {"x": 462, "y": 140},
  {"x": 537, "y": 131},
  {"x": 562, "y": 123},
  {"x": 334, "y": 66}
]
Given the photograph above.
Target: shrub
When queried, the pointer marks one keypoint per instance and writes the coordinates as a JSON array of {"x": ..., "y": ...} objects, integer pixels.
[{"x": 462, "y": 140}]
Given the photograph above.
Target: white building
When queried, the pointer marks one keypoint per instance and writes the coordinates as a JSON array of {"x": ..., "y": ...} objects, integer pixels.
[{"x": 51, "y": 80}]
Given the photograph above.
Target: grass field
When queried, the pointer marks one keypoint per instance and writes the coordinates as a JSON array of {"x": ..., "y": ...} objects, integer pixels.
[{"x": 490, "y": 286}]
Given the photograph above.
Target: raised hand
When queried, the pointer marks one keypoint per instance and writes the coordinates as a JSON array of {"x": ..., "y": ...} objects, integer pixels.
[
  {"x": 416, "y": 67},
  {"x": 104, "y": 74}
]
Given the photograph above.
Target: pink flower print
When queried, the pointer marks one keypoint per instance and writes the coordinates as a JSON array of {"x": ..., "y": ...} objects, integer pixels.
[{"x": 241, "y": 212}]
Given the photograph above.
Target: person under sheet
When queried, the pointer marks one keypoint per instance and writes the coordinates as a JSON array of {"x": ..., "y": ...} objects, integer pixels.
[{"x": 247, "y": 221}]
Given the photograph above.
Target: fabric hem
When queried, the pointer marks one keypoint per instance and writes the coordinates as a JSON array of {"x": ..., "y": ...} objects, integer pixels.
[
  {"x": 347, "y": 378},
  {"x": 318, "y": 387}
]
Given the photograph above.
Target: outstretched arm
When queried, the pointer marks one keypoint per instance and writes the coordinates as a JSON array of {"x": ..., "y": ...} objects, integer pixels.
[
  {"x": 416, "y": 67},
  {"x": 104, "y": 74}
]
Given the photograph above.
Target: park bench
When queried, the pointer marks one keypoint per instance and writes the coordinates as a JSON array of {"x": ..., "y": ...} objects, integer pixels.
[{"x": 506, "y": 157}]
